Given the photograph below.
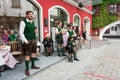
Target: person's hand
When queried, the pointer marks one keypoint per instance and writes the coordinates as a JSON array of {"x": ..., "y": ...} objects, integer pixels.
[
  {"x": 3, "y": 46},
  {"x": 60, "y": 31},
  {"x": 27, "y": 42}
]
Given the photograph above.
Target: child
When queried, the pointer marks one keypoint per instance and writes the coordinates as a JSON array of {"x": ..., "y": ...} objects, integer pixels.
[
  {"x": 5, "y": 36},
  {"x": 48, "y": 45},
  {"x": 65, "y": 38},
  {"x": 70, "y": 47},
  {"x": 12, "y": 36},
  {"x": 72, "y": 35}
]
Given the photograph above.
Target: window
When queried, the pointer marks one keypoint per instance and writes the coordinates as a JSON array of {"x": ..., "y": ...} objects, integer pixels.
[
  {"x": 58, "y": 14},
  {"x": 76, "y": 20},
  {"x": 16, "y": 4},
  {"x": 113, "y": 8},
  {"x": 76, "y": 24},
  {"x": 95, "y": 10},
  {"x": 107, "y": 31},
  {"x": 113, "y": 28}
]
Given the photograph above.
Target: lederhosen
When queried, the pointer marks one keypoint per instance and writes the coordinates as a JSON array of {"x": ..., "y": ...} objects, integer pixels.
[
  {"x": 31, "y": 37},
  {"x": 59, "y": 37},
  {"x": 70, "y": 47},
  {"x": 48, "y": 45}
]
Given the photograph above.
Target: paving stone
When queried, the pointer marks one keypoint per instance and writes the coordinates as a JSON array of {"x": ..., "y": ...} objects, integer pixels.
[{"x": 97, "y": 63}]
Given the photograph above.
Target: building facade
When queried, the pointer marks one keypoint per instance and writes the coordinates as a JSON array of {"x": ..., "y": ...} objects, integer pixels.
[
  {"x": 111, "y": 28},
  {"x": 47, "y": 13}
]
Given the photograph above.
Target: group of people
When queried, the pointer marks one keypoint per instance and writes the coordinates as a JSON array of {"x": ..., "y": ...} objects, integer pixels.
[
  {"x": 7, "y": 35},
  {"x": 28, "y": 38},
  {"x": 65, "y": 38}
]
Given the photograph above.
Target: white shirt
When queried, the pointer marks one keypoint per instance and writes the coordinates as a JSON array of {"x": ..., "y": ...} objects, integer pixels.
[
  {"x": 56, "y": 30},
  {"x": 22, "y": 28}
]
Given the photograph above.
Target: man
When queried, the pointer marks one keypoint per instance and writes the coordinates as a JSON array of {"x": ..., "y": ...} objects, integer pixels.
[
  {"x": 59, "y": 39},
  {"x": 28, "y": 38},
  {"x": 72, "y": 34}
]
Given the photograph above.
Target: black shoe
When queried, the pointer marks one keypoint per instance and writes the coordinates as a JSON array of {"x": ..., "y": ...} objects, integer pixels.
[
  {"x": 59, "y": 55},
  {"x": 49, "y": 54},
  {"x": 76, "y": 59},
  {"x": 36, "y": 59},
  {"x": 64, "y": 55}
]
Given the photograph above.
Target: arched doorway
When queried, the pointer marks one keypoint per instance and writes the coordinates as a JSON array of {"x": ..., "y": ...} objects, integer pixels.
[
  {"x": 13, "y": 11},
  {"x": 111, "y": 31},
  {"x": 57, "y": 13},
  {"x": 86, "y": 25},
  {"x": 76, "y": 23}
]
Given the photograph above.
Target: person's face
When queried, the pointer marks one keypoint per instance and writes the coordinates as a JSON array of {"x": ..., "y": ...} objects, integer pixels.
[
  {"x": 60, "y": 24},
  {"x": 48, "y": 36},
  {"x": 5, "y": 31},
  {"x": 11, "y": 31},
  {"x": 30, "y": 16},
  {"x": 71, "y": 27},
  {"x": 74, "y": 28}
]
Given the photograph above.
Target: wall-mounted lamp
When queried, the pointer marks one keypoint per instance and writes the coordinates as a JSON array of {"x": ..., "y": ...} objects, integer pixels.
[{"x": 80, "y": 5}]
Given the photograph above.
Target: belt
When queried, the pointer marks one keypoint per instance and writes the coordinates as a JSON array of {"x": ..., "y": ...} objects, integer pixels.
[{"x": 32, "y": 41}]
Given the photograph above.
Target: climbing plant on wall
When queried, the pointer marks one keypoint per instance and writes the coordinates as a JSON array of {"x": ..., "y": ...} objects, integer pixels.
[{"x": 104, "y": 17}]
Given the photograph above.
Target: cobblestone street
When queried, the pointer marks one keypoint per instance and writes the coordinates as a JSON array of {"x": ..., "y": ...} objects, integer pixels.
[
  {"x": 59, "y": 39},
  {"x": 99, "y": 63}
]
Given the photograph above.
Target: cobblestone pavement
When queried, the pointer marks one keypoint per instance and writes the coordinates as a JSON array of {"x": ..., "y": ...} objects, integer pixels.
[
  {"x": 98, "y": 63},
  {"x": 84, "y": 55},
  {"x": 18, "y": 72},
  {"x": 106, "y": 66}
]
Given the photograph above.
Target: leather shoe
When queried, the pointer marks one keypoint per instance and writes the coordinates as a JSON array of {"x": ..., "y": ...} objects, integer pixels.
[
  {"x": 59, "y": 55},
  {"x": 35, "y": 67},
  {"x": 36, "y": 59},
  {"x": 76, "y": 59},
  {"x": 64, "y": 55},
  {"x": 27, "y": 73}
]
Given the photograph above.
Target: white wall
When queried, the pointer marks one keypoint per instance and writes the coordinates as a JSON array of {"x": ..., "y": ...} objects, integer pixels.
[{"x": 118, "y": 29}]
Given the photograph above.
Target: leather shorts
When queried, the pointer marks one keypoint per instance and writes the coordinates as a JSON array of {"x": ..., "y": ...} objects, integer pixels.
[{"x": 31, "y": 47}]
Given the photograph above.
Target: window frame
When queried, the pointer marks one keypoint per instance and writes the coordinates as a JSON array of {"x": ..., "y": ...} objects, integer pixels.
[{"x": 16, "y": 4}]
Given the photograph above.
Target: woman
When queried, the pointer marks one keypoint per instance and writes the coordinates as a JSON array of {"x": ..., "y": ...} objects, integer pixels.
[
  {"x": 9, "y": 60},
  {"x": 65, "y": 36},
  {"x": 5, "y": 36}
]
